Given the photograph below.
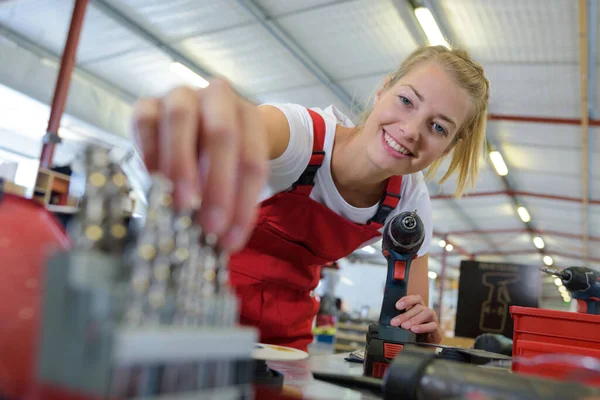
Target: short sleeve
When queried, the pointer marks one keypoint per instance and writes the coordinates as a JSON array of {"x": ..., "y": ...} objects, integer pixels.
[{"x": 287, "y": 168}]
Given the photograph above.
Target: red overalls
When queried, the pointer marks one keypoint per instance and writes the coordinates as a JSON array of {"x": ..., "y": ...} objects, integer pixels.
[{"x": 294, "y": 235}]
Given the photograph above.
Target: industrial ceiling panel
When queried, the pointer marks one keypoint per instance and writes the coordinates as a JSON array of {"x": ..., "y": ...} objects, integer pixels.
[
  {"x": 143, "y": 73},
  {"x": 472, "y": 244},
  {"x": 565, "y": 245},
  {"x": 487, "y": 181},
  {"x": 536, "y": 134},
  {"x": 363, "y": 89},
  {"x": 277, "y": 8},
  {"x": 533, "y": 259},
  {"x": 250, "y": 57},
  {"x": 313, "y": 96},
  {"x": 569, "y": 218},
  {"x": 547, "y": 159},
  {"x": 555, "y": 205},
  {"x": 354, "y": 39},
  {"x": 538, "y": 182},
  {"x": 543, "y": 90},
  {"x": 449, "y": 223},
  {"x": 179, "y": 19},
  {"x": 515, "y": 30},
  {"x": 47, "y": 24}
]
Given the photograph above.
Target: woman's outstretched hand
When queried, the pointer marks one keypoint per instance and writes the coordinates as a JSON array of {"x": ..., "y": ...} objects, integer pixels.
[{"x": 212, "y": 144}]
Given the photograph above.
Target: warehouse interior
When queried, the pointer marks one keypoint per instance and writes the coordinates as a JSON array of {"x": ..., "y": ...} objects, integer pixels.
[{"x": 535, "y": 203}]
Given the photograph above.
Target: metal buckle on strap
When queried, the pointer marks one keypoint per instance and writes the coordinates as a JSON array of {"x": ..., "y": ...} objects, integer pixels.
[
  {"x": 307, "y": 177},
  {"x": 382, "y": 212}
]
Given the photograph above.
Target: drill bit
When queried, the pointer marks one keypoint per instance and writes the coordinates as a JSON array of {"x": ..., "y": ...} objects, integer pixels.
[{"x": 552, "y": 271}]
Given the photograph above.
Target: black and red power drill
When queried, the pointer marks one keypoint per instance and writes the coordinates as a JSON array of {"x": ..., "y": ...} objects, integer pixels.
[
  {"x": 403, "y": 236},
  {"x": 583, "y": 284}
]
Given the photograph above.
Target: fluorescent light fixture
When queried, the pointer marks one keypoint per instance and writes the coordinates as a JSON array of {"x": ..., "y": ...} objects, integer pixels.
[
  {"x": 538, "y": 242},
  {"x": 548, "y": 261},
  {"x": 449, "y": 247},
  {"x": 430, "y": 27},
  {"x": 432, "y": 275},
  {"x": 499, "y": 163},
  {"x": 369, "y": 249},
  {"x": 562, "y": 289},
  {"x": 558, "y": 282},
  {"x": 524, "y": 214},
  {"x": 347, "y": 281},
  {"x": 442, "y": 243},
  {"x": 188, "y": 75}
]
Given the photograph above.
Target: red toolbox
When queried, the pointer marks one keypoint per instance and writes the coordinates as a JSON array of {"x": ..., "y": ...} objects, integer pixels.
[{"x": 539, "y": 332}]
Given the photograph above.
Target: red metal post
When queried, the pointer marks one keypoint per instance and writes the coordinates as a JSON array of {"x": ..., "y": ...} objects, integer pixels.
[
  {"x": 442, "y": 281},
  {"x": 516, "y": 193},
  {"x": 541, "y": 120},
  {"x": 62, "y": 84}
]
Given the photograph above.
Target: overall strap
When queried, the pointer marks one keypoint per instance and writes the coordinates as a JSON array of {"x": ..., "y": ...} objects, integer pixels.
[
  {"x": 390, "y": 200},
  {"x": 305, "y": 183}
]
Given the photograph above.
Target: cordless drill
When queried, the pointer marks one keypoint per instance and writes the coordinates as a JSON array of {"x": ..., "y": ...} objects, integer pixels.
[
  {"x": 402, "y": 238},
  {"x": 583, "y": 284}
]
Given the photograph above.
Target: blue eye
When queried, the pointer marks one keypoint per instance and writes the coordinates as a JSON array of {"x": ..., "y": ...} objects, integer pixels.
[
  {"x": 439, "y": 129},
  {"x": 405, "y": 100}
]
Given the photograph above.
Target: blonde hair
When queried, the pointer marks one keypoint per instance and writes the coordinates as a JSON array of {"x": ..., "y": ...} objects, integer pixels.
[{"x": 469, "y": 141}]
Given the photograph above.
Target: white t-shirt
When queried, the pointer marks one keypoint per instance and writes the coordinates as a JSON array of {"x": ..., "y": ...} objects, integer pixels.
[{"x": 286, "y": 169}]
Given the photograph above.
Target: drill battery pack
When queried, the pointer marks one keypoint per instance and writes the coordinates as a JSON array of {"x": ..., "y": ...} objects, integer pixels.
[{"x": 383, "y": 345}]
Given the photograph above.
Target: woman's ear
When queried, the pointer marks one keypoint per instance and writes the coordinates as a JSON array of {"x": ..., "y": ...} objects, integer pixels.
[{"x": 382, "y": 89}]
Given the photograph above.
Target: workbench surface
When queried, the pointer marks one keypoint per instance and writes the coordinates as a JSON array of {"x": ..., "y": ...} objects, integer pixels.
[{"x": 298, "y": 377}]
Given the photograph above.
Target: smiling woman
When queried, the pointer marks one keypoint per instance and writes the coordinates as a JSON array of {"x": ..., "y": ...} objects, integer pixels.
[{"x": 287, "y": 188}]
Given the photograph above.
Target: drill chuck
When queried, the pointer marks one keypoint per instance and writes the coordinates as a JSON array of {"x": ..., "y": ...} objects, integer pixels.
[{"x": 404, "y": 233}]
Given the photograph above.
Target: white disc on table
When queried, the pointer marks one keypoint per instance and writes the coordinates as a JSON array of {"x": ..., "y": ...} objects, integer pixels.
[{"x": 271, "y": 352}]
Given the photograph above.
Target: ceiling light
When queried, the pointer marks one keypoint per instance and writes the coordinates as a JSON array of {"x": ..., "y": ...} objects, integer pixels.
[
  {"x": 524, "y": 214},
  {"x": 347, "y": 281},
  {"x": 430, "y": 27},
  {"x": 369, "y": 249},
  {"x": 498, "y": 162},
  {"x": 432, "y": 275},
  {"x": 558, "y": 282},
  {"x": 548, "y": 260},
  {"x": 442, "y": 243},
  {"x": 538, "y": 242},
  {"x": 562, "y": 289},
  {"x": 188, "y": 75},
  {"x": 449, "y": 247}
]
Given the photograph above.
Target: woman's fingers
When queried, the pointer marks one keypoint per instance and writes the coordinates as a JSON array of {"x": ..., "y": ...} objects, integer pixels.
[
  {"x": 251, "y": 177},
  {"x": 220, "y": 138},
  {"x": 177, "y": 140},
  {"x": 146, "y": 117}
]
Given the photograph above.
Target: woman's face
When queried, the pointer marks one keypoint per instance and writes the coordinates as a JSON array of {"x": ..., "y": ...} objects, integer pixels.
[{"x": 414, "y": 122}]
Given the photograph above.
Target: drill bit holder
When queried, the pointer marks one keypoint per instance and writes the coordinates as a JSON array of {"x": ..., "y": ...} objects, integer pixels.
[{"x": 148, "y": 312}]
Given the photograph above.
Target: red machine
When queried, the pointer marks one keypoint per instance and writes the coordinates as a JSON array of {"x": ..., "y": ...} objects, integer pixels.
[{"x": 28, "y": 234}]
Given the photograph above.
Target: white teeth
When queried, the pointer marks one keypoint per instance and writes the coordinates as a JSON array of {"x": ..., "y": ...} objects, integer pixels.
[{"x": 395, "y": 145}]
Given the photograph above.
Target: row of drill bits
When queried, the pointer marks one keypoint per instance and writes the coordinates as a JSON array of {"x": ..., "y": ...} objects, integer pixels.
[
  {"x": 100, "y": 224},
  {"x": 178, "y": 274}
]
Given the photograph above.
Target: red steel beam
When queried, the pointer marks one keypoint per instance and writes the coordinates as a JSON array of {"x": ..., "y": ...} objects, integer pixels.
[
  {"x": 459, "y": 249},
  {"x": 533, "y": 251},
  {"x": 61, "y": 90},
  {"x": 540, "y": 232},
  {"x": 541, "y": 120},
  {"x": 516, "y": 193}
]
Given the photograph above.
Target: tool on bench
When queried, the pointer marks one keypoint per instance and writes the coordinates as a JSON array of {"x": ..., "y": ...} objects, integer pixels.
[
  {"x": 402, "y": 238},
  {"x": 124, "y": 312},
  {"x": 583, "y": 284},
  {"x": 417, "y": 374}
]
